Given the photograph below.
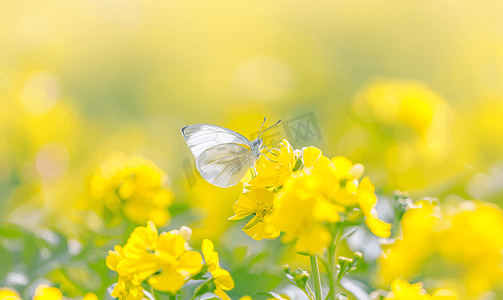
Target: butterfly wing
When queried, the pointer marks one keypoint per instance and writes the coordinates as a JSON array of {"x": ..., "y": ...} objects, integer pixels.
[
  {"x": 224, "y": 165},
  {"x": 200, "y": 137}
]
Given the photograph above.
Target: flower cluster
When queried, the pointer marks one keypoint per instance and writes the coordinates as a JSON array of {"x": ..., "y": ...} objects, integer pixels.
[
  {"x": 300, "y": 192},
  {"x": 42, "y": 292},
  {"x": 135, "y": 186},
  {"x": 402, "y": 290},
  {"x": 467, "y": 235},
  {"x": 165, "y": 261}
]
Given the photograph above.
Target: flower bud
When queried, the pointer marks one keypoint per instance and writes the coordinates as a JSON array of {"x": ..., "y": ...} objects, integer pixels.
[
  {"x": 356, "y": 171},
  {"x": 186, "y": 232},
  {"x": 286, "y": 269},
  {"x": 305, "y": 276},
  {"x": 344, "y": 260}
]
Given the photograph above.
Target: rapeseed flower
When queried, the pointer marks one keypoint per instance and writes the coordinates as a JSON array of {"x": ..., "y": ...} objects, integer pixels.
[
  {"x": 319, "y": 193},
  {"x": 402, "y": 290},
  {"x": 273, "y": 169},
  {"x": 134, "y": 186},
  {"x": 146, "y": 253},
  {"x": 220, "y": 277},
  {"x": 258, "y": 202},
  {"x": 45, "y": 292},
  {"x": 466, "y": 235},
  {"x": 8, "y": 294}
]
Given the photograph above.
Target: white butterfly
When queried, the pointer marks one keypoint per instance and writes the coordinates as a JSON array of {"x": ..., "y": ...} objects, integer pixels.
[{"x": 222, "y": 156}]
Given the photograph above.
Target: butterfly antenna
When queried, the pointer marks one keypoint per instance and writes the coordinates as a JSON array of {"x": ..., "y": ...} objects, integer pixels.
[
  {"x": 258, "y": 134},
  {"x": 268, "y": 127}
]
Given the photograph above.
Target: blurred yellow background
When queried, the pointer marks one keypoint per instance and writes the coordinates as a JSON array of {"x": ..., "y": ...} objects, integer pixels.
[{"x": 413, "y": 90}]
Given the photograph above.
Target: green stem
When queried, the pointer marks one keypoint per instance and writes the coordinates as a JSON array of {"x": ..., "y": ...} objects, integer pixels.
[
  {"x": 152, "y": 291},
  {"x": 316, "y": 277},
  {"x": 332, "y": 250},
  {"x": 311, "y": 294}
]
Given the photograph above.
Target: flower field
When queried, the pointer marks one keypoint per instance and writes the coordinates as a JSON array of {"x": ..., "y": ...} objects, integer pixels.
[{"x": 383, "y": 180}]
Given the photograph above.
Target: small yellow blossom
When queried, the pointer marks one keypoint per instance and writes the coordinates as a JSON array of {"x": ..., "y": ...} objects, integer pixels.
[
  {"x": 8, "y": 294},
  {"x": 147, "y": 253},
  {"x": 221, "y": 278},
  {"x": 466, "y": 236},
  {"x": 402, "y": 290},
  {"x": 316, "y": 195},
  {"x": 177, "y": 263},
  {"x": 135, "y": 186},
  {"x": 90, "y": 296},
  {"x": 257, "y": 202},
  {"x": 272, "y": 172},
  {"x": 45, "y": 292}
]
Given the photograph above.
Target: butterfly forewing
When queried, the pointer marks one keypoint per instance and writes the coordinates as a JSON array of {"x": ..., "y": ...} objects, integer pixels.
[
  {"x": 200, "y": 137},
  {"x": 225, "y": 165}
]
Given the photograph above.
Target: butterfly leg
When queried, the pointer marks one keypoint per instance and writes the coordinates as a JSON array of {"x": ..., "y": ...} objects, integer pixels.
[
  {"x": 268, "y": 158},
  {"x": 270, "y": 151}
]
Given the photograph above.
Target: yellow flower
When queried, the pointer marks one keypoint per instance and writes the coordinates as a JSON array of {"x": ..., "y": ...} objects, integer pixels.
[
  {"x": 126, "y": 290},
  {"x": 273, "y": 171},
  {"x": 8, "y": 294},
  {"x": 257, "y": 202},
  {"x": 221, "y": 278},
  {"x": 402, "y": 290},
  {"x": 90, "y": 296},
  {"x": 145, "y": 253},
  {"x": 313, "y": 196},
  {"x": 301, "y": 211},
  {"x": 45, "y": 292},
  {"x": 177, "y": 263},
  {"x": 135, "y": 186},
  {"x": 406, "y": 255},
  {"x": 466, "y": 236}
]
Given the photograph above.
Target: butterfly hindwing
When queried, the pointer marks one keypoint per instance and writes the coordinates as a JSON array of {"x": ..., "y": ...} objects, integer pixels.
[{"x": 226, "y": 164}]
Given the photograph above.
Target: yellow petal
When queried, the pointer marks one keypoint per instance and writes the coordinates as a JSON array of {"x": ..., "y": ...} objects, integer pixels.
[
  {"x": 366, "y": 201},
  {"x": 352, "y": 186},
  {"x": 167, "y": 281},
  {"x": 310, "y": 156},
  {"x": 170, "y": 244},
  {"x": 325, "y": 211},
  {"x": 245, "y": 206},
  {"x": 162, "y": 199},
  {"x": 190, "y": 263},
  {"x": 221, "y": 294},
  {"x": 444, "y": 294},
  {"x": 126, "y": 267},
  {"x": 223, "y": 279},
  {"x": 378, "y": 227},
  {"x": 44, "y": 292},
  {"x": 90, "y": 296},
  {"x": 147, "y": 266},
  {"x": 8, "y": 294},
  {"x": 207, "y": 248},
  {"x": 113, "y": 258},
  {"x": 342, "y": 166},
  {"x": 262, "y": 196},
  {"x": 366, "y": 185}
]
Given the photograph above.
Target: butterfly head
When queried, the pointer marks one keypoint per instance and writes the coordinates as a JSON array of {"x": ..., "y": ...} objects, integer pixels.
[{"x": 257, "y": 146}]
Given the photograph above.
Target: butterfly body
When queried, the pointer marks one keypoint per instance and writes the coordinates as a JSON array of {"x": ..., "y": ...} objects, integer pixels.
[{"x": 223, "y": 156}]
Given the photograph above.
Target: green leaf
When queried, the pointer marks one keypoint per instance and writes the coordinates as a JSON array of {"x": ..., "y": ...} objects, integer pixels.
[
  {"x": 11, "y": 231},
  {"x": 31, "y": 252}
]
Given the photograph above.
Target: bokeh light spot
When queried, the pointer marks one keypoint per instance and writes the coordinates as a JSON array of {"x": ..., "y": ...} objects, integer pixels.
[{"x": 40, "y": 93}]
